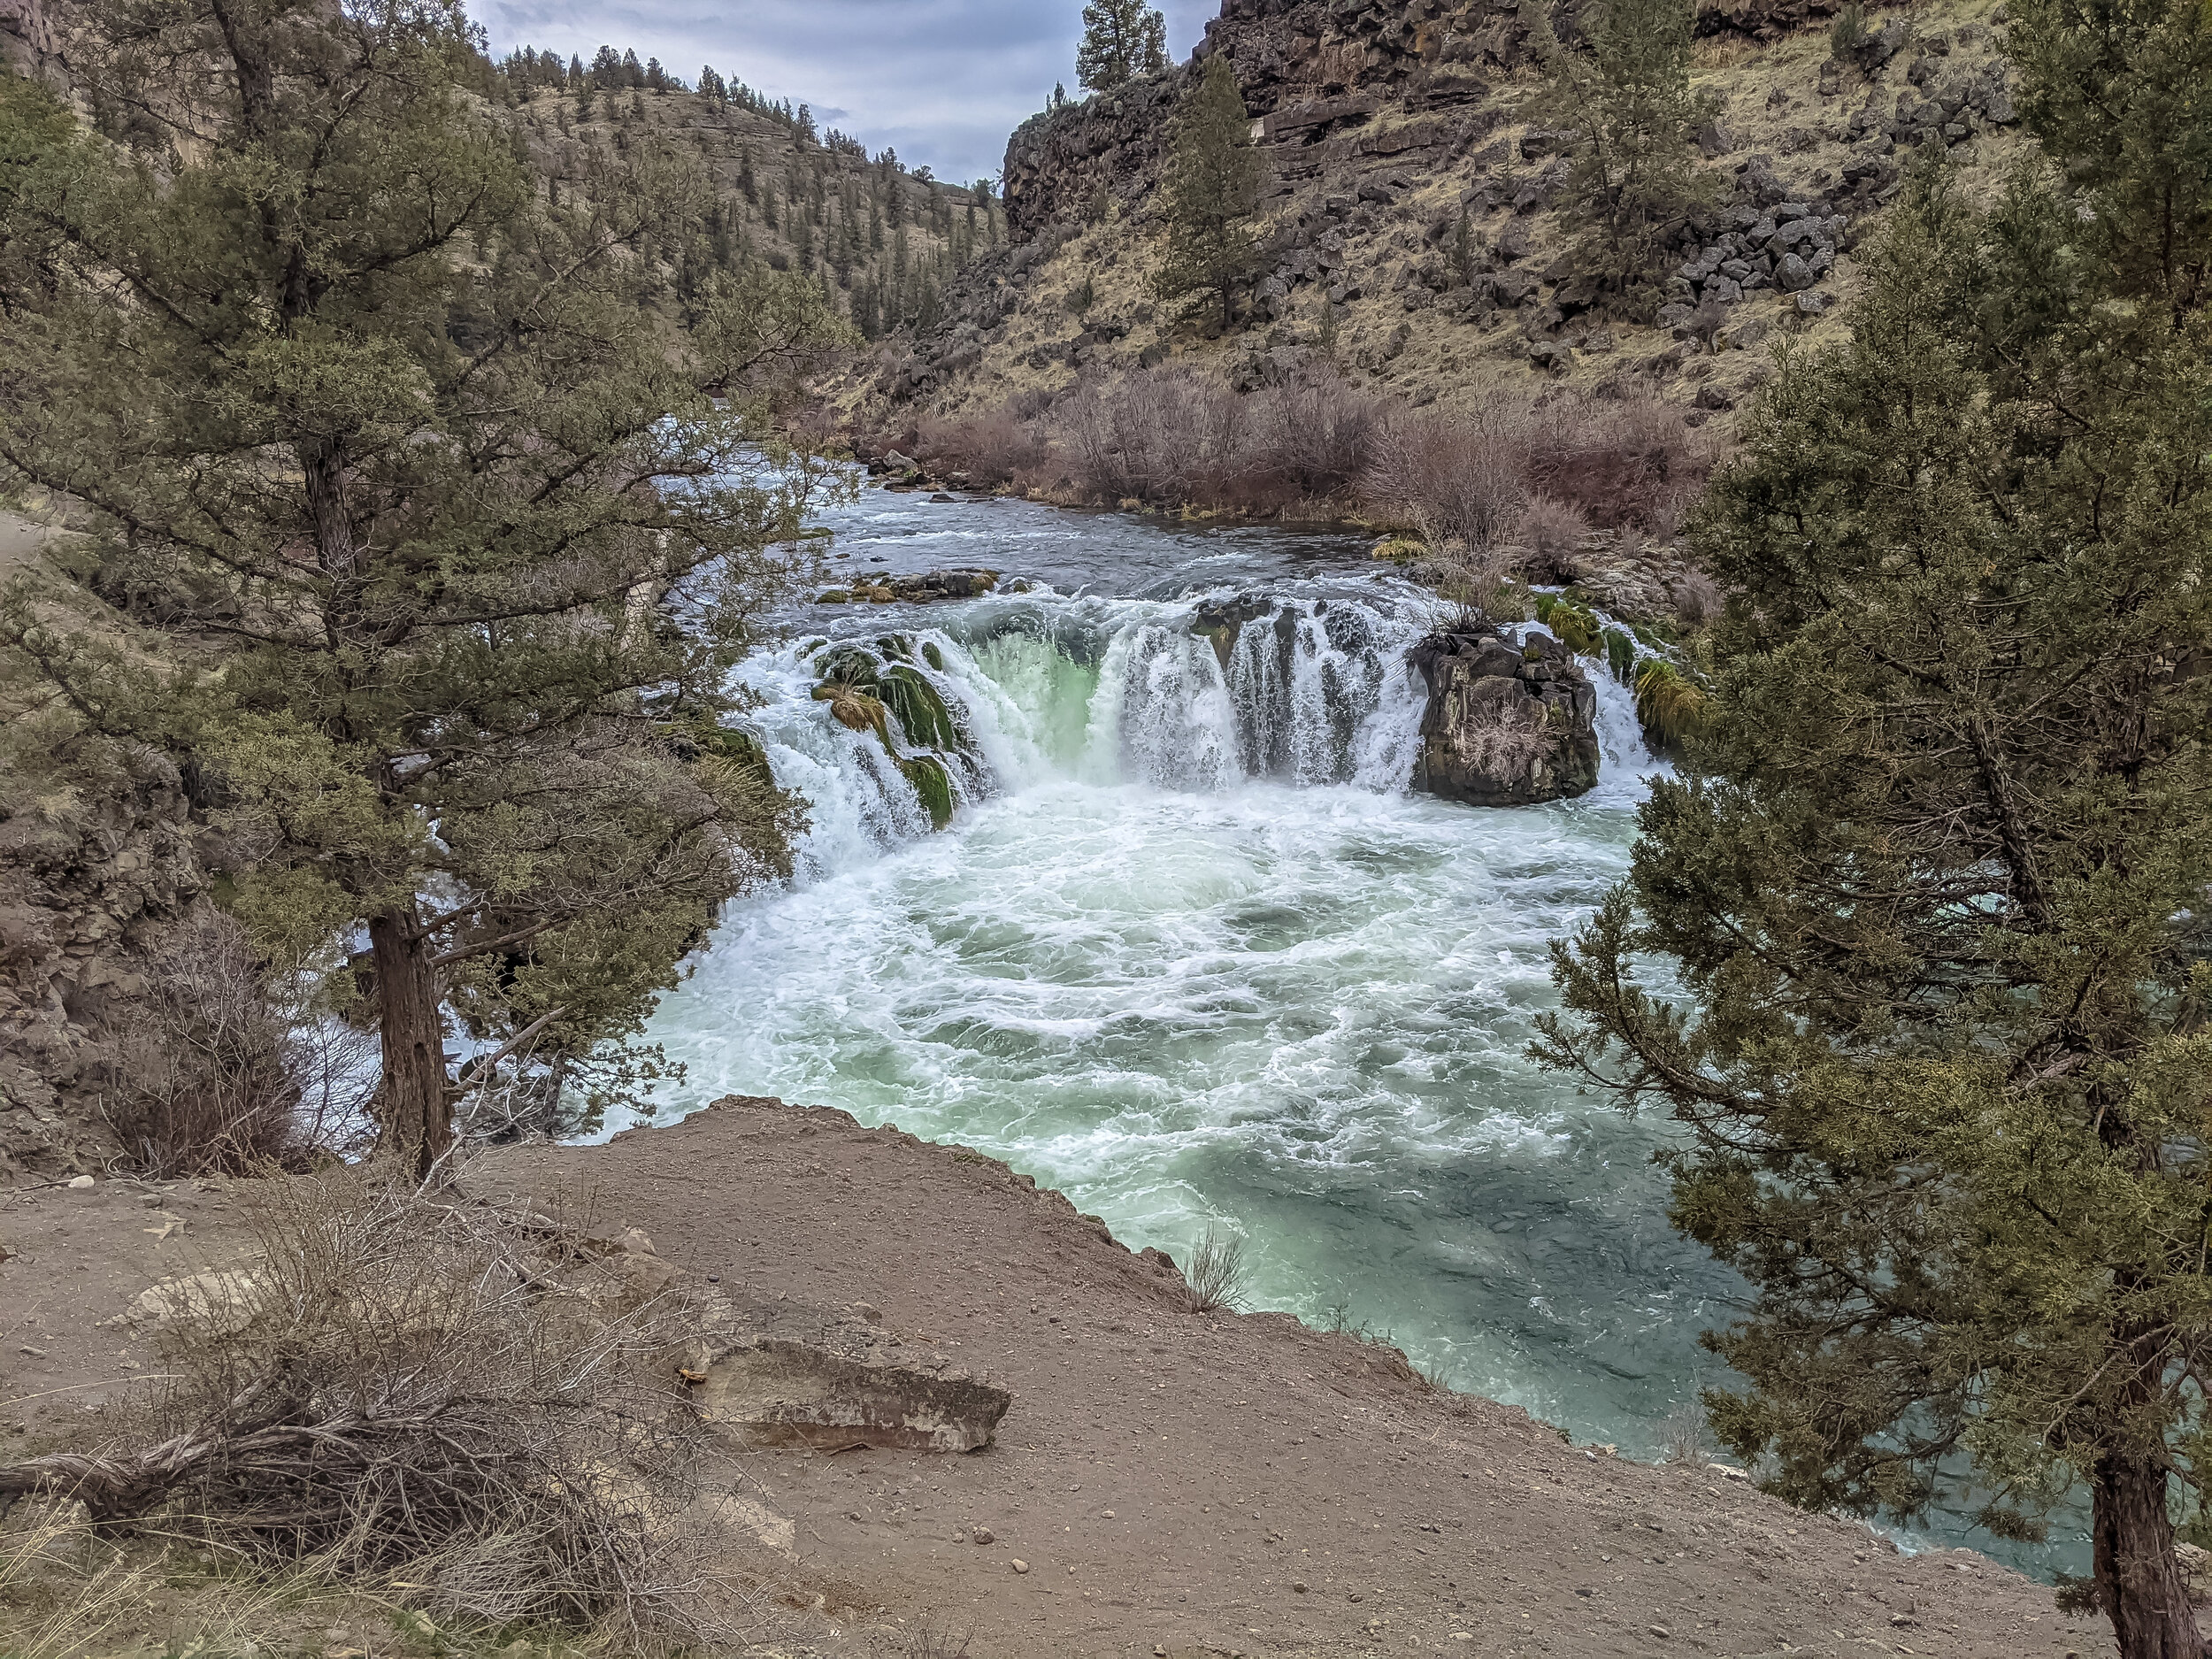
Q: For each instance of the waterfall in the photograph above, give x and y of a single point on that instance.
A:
(1304, 687)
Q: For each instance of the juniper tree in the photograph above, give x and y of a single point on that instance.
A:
(1122, 39)
(1624, 98)
(452, 540)
(1208, 194)
(1937, 901)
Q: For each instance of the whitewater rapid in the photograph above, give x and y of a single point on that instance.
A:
(1192, 952)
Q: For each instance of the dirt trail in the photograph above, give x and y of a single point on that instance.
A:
(1188, 1485)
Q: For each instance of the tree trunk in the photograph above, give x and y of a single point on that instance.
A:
(2138, 1581)
(411, 1102)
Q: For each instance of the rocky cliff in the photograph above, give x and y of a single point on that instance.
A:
(1416, 230)
(91, 893)
(30, 36)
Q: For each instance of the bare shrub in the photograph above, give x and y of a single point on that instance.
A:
(1463, 476)
(1552, 533)
(1215, 1278)
(1697, 599)
(1625, 461)
(1171, 438)
(1508, 738)
(408, 1393)
(1314, 438)
(1684, 1440)
(1482, 587)
(995, 447)
(208, 1079)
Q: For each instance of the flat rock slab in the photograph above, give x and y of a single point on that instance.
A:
(785, 1373)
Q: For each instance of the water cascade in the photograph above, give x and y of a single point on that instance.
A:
(1302, 687)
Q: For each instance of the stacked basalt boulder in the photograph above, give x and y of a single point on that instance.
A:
(1506, 725)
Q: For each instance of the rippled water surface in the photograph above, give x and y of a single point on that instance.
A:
(1191, 953)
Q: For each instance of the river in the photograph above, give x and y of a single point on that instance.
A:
(1190, 951)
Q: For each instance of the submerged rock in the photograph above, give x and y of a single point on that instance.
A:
(1505, 726)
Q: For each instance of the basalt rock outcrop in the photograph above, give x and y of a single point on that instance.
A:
(90, 903)
(1505, 725)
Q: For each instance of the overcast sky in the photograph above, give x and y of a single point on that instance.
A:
(941, 81)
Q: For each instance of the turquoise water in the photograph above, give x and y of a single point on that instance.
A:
(1191, 953)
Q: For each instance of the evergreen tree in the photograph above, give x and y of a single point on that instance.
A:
(1937, 903)
(457, 542)
(1211, 187)
(1122, 39)
(1627, 100)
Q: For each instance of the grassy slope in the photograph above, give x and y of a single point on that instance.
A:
(1769, 100)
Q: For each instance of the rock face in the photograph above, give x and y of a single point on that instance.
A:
(87, 907)
(779, 1374)
(1504, 725)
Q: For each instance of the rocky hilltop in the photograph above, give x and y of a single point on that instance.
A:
(1414, 225)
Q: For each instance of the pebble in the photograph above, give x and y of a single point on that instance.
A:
(984, 1535)
(1020, 1565)
(1106, 1513)
(1661, 1631)
(80, 1183)
(1299, 1586)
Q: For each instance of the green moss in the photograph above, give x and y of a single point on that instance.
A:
(921, 711)
(931, 655)
(1574, 627)
(1669, 704)
(849, 665)
(933, 784)
(1620, 654)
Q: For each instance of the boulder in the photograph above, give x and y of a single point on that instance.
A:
(1503, 726)
(783, 1374)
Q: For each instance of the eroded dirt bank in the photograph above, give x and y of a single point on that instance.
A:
(1192, 1484)
(1172, 1483)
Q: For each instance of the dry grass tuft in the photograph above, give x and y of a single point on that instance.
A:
(413, 1392)
(1217, 1276)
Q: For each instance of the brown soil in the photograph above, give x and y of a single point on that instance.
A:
(1194, 1484)
(1175, 1483)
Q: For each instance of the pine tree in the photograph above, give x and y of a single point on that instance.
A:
(452, 648)
(1210, 189)
(1122, 39)
(1936, 902)
(1627, 100)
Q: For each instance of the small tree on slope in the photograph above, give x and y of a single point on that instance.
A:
(452, 534)
(1211, 187)
(1122, 39)
(1624, 98)
(1938, 900)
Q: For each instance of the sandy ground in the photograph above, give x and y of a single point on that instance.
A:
(1172, 1483)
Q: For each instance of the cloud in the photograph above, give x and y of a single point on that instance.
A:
(941, 81)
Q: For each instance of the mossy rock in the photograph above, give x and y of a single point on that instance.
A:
(835, 596)
(933, 785)
(931, 655)
(848, 664)
(1620, 655)
(921, 711)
